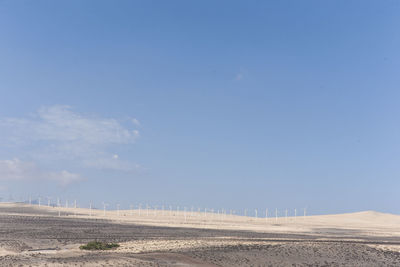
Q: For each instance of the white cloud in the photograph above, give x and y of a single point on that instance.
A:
(60, 123)
(17, 170)
(136, 122)
(59, 133)
(136, 133)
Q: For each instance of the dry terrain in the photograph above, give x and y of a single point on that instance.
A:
(51, 236)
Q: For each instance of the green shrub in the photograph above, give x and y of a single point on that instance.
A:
(96, 245)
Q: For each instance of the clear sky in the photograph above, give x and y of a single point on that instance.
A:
(218, 104)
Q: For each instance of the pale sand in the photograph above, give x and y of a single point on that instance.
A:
(38, 236)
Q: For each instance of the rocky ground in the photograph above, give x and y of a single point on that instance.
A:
(38, 237)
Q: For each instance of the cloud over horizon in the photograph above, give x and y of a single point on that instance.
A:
(58, 133)
(17, 170)
(60, 124)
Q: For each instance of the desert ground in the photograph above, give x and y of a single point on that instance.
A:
(51, 236)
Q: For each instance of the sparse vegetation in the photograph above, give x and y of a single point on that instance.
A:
(96, 245)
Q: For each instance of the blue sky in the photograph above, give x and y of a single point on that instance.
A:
(218, 104)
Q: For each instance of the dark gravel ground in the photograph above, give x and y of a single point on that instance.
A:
(21, 231)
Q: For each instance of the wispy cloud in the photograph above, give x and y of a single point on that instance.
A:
(113, 163)
(136, 122)
(60, 133)
(61, 124)
(240, 75)
(17, 170)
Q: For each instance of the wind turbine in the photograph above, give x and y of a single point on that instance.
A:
(104, 208)
(58, 206)
(75, 207)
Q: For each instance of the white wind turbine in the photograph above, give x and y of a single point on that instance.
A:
(286, 211)
(58, 206)
(104, 208)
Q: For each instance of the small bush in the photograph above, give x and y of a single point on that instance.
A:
(96, 245)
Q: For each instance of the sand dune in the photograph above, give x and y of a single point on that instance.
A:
(36, 236)
(365, 222)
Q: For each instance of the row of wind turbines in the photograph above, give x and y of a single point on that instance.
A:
(163, 210)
